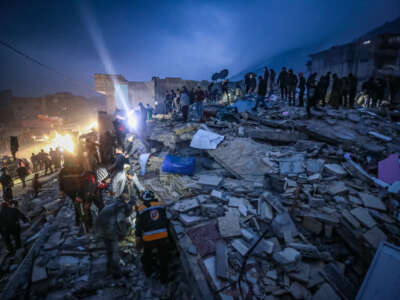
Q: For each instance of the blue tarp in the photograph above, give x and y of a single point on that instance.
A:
(244, 105)
(178, 165)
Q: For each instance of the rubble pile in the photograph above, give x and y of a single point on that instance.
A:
(284, 206)
(59, 262)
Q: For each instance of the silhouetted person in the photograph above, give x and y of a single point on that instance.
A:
(336, 94)
(271, 81)
(352, 89)
(253, 83)
(36, 185)
(282, 81)
(7, 183)
(22, 172)
(266, 77)
(302, 87)
(291, 86)
(262, 90)
(345, 92)
(9, 226)
(311, 95)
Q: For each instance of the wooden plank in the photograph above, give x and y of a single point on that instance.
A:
(221, 266)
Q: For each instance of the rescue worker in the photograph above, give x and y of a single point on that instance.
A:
(111, 226)
(311, 95)
(302, 87)
(9, 226)
(22, 172)
(336, 94)
(36, 185)
(7, 183)
(184, 103)
(282, 81)
(152, 234)
(44, 158)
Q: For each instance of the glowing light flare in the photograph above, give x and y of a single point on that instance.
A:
(94, 125)
(64, 142)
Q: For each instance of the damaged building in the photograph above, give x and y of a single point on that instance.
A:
(153, 92)
(373, 54)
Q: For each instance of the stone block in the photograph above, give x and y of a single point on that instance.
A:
(264, 247)
(211, 180)
(314, 165)
(374, 236)
(229, 224)
(38, 273)
(247, 235)
(335, 169)
(221, 260)
(363, 216)
(186, 205)
(326, 292)
(349, 218)
(312, 225)
(189, 220)
(371, 201)
(240, 247)
(288, 259)
(282, 223)
(219, 195)
(306, 250)
(336, 188)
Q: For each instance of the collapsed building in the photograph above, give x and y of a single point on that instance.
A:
(373, 54)
(275, 206)
(119, 91)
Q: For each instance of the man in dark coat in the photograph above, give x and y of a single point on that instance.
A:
(352, 89)
(271, 81)
(9, 226)
(262, 90)
(22, 172)
(7, 183)
(302, 87)
(253, 83)
(336, 94)
(282, 81)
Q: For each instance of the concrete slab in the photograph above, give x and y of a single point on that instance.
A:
(372, 201)
(363, 216)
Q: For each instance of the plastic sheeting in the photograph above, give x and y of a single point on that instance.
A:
(389, 169)
(204, 139)
(244, 105)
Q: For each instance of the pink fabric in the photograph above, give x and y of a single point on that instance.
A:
(389, 169)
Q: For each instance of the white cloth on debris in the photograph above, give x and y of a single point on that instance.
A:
(204, 139)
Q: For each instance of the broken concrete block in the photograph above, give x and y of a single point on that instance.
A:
(265, 210)
(277, 245)
(314, 165)
(335, 169)
(186, 205)
(273, 274)
(306, 250)
(316, 202)
(328, 231)
(349, 218)
(264, 247)
(39, 273)
(314, 178)
(229, 224)
(221, 260)
(283, 222)
(298, 291)
(326, 292)
(189, 220)
(234, 201)
(371, 201)
(303, 274)
(288, 258)
(363, 216)
(312, 225)
(274, 202)
(210, 180)
(337, 187)
(247, 235)
(219, 195)
(240, 247)
(340, 200)
(374, 236)
(354, 200)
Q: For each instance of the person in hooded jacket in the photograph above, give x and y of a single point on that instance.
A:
(111, 226)
(291, 87)
(262, 90)
(9, 226)
(282, 81)
(272, 75)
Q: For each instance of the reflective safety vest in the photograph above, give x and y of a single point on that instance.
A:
(152, 222)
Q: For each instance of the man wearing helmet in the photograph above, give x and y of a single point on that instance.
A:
(152, 234)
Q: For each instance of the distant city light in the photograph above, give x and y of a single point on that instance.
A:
(367, 42)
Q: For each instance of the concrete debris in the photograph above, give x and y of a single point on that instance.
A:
(229, 224)
(288, 259)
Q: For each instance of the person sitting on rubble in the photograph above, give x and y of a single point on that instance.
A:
(112, 226)
(152, 234)
(7, 184)
(36, 185)
(9, 225)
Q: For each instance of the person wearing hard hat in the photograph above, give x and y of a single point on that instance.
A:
(152, 234)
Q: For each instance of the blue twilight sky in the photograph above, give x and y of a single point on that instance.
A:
(188, 39)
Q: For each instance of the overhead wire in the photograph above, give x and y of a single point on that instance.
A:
(12, 48)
